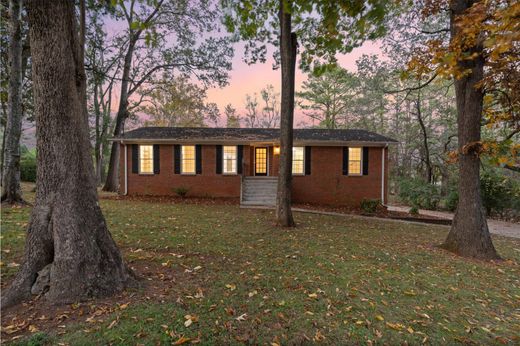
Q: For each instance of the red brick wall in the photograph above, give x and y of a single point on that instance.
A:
(325, 185)
(209, 184)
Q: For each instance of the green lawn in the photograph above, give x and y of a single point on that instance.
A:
(331, 280)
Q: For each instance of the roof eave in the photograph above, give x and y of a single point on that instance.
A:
(248, 142)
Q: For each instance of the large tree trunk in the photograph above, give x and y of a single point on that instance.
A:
(469, 235)
(11, 190)
(288, 61)
(69, 252)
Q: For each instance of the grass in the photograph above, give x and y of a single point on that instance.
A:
(332, 280)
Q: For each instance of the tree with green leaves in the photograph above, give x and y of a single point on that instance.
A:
(318, 30)
(327, 97)
(175, 101)
(164, 36)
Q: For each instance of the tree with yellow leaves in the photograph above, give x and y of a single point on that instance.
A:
(482, 56)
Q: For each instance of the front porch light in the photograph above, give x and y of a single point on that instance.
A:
(276, 150)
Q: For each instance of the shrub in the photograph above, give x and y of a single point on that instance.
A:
(498, 192)
(414, 211)
(418, 193)
(370, 205)
(181, 191)
(451, 200)
(28, 165)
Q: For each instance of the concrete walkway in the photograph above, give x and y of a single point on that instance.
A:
(508, 229)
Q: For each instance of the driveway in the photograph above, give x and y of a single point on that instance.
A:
(508, 229)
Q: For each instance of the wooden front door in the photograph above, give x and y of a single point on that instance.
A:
(261, 161)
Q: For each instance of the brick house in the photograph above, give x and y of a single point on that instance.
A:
(333, 167)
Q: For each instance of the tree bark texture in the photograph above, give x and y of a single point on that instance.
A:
(288, 44)
(11, 190)
(469, 235)
(67, 233)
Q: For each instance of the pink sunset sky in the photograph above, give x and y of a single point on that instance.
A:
(249, 79)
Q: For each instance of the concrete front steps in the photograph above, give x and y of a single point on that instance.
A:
(259, 191)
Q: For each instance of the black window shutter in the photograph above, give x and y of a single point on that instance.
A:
(307, 160)
(240, 155)
(198, 159)
(156, 159)
(135, 158)
(345, 160)
(177, 159)
(219, 159)
(365, 160)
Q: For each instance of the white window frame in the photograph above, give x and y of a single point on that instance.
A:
(303, 161)
(224, 160)
(194, 160)
(360, 162)
(140, 159)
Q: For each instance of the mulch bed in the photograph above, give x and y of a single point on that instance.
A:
(173, 199)
(380, 212)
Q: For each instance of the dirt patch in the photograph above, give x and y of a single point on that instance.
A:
(157, 282)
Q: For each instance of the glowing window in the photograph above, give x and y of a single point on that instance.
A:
(188, 159)
(354, 161)
(298, 165)
(230, 159)
(146, 159)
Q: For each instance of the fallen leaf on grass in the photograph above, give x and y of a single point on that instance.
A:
(241, 317)
(182, 340)
(190, 319)
(113, 323)
(395, 326)
(232, 287)
(380, 318)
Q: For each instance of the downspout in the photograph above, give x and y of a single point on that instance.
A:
(126, 173)
(383, 175)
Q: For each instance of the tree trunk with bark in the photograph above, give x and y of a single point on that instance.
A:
(69, 252)
(469, 235)
(112, 181)
(11, 189)
(426, 148)
(288, 44)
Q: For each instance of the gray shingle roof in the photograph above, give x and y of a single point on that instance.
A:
(219, 134)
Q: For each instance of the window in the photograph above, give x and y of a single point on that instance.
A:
(146, 159)
(230, 159)
(188, 159)
(354, 161)
(298, 166)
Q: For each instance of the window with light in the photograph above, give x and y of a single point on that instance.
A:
(230, 159)
(146, 159)
(354, 161)
(188, 159)
(298, 166)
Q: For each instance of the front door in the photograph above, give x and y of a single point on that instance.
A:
(261, 161)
